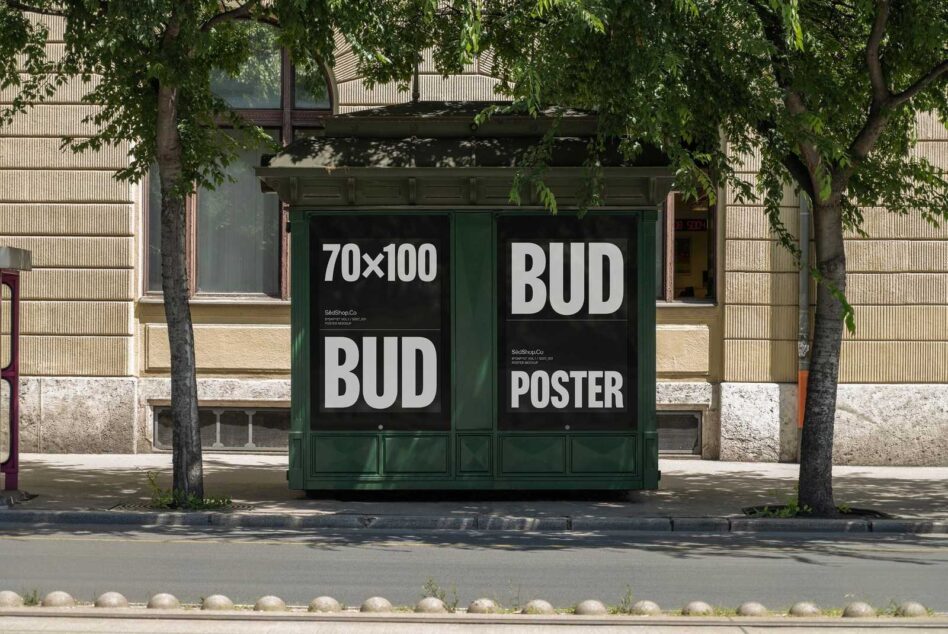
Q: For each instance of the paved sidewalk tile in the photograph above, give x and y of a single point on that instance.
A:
(698, 495)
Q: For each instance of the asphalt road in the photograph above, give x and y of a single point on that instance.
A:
(510, 567)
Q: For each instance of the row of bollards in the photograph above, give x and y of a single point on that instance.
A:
(434, 605)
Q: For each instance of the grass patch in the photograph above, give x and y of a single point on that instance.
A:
(625, 603)
(164, 499)
(32, 598)
(433, 589)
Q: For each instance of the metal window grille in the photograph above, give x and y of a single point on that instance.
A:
(231, 429)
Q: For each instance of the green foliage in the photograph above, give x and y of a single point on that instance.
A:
(785, 83)
(173, 499)
(129, 49)
(433, 589)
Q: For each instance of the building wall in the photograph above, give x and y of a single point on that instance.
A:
(898, 286)
(95, 353)
(78, 302)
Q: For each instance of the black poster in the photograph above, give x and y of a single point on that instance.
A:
(567, 318)
(380, 294)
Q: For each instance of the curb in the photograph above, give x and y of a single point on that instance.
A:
(271, 620)
(710, 525)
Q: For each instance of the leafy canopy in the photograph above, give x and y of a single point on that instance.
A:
(790, 83)
(126, 49)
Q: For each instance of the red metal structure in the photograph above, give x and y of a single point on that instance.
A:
(12, 262)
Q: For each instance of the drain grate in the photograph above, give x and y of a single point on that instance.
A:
(145, 507)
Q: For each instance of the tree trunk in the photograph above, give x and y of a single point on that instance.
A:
(188, 474)
(816, 448)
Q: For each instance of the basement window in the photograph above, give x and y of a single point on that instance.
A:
(679, 432)
(232, 429)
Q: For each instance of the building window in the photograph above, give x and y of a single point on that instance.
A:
(685, 247)
(231, 429)
(679, 432)
(235, 245)
(238, 233)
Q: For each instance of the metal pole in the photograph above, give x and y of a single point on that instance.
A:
(11, 375)
(803, 333)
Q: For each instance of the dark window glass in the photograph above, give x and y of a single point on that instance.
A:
(207, 420)
(238, 229)
(270, 428)
(692, 245)
(258, 84)
(679, 432)
(310, 91)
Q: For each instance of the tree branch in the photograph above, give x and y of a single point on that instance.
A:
(800, 173)
(865, 140)
(240, 12)
(880, 91)
(920, 85)
(805, 171)
(799, 170)
(27, 8)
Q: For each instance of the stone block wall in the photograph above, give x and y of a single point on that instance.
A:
(894, 369)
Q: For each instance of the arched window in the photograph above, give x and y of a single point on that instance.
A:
(236, 244)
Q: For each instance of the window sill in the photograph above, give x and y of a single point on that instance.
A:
(698, 303)
(222, 300)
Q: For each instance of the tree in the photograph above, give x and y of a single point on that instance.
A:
(825, 92)
(154, 60)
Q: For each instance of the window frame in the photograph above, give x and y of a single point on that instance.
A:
(288, 119)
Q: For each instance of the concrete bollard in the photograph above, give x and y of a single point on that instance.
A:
(911, 609)
(58, 599)
(482, 606)
(431, 605)
(111, 600)
(324, 604)
(538, 606)
(376, 604)
(590, 607)
(697, 608)
(10, 599)
(751, 608)
(217, 602)
(804, 608)
(645, 608)
(163, 601)
(269, 603)
(858, 610)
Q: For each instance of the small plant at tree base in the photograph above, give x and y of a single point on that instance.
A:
(792, 508)
(433, 589)
(625, 604)
(168, 499)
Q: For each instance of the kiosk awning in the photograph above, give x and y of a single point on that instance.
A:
(434, 154)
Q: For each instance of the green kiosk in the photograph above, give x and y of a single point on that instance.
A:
(444, 338)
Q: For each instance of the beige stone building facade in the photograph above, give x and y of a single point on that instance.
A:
(95, 355)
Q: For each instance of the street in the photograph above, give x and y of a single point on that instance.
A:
(511, 567)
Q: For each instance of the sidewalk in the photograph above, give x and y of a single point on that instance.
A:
(689, 489)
